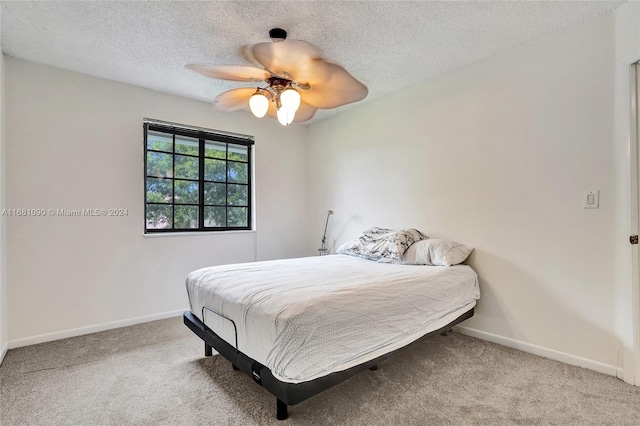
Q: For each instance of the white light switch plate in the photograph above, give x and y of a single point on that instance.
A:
(591, 199)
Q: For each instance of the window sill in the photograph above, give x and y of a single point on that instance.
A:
(194, 234)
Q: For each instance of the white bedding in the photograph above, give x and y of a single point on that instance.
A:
(308, 317)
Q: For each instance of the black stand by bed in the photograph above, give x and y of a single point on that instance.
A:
(291, 393)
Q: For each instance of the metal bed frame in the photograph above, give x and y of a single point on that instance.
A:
(288, 393)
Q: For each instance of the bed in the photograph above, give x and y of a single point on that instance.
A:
(300, 326)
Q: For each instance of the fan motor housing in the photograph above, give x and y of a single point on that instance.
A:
(278, 83)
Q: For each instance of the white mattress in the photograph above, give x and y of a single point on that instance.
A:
(308, 317)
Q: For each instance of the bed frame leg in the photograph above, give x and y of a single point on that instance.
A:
(208, 351)
(234, 367)
(374, 368)
(282, 413)
(446, 332)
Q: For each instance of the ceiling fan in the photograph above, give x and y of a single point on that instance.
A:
(298, 81)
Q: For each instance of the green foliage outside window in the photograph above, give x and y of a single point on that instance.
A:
(180, 185)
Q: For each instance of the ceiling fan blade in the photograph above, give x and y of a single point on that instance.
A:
(305, 112)
(248, 55)
(230, 72)
(233, 100)
(292, 59)
(341, 88)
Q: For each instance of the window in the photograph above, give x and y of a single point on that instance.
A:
(196, 179)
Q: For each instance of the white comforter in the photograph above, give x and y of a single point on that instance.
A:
(308, 317)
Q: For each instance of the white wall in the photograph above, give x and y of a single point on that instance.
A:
(496, 155)
(75, 141)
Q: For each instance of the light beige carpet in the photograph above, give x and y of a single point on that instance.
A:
(156, 374)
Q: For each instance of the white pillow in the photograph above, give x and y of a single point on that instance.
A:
(436, 252)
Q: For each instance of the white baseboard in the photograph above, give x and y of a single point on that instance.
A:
(620, 373)
(540, 351)
(42, 338)
(3, 352)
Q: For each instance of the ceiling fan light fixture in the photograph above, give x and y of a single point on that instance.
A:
(290, 99)
(258, 104)
(285, 116)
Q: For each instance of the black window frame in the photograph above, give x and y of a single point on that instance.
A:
(203, 136)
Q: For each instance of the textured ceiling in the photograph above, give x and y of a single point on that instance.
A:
(386, 45)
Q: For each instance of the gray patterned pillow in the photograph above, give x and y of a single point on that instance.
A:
(382, 244)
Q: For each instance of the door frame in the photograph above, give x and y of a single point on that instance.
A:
(634, 118)
(628, 301)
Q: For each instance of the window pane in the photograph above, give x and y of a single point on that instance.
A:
(215, 170)
(185, 217)
(159, 217)
(160, 165)
(185, 145)
(186, 167)
(159, 141)
(202, 174)
(215, 193)
(237, 195)
(159, 190)
(237, 216)
(186, 192)
(215, 217)
(215, 149)
(238, 172)
(238, 153)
